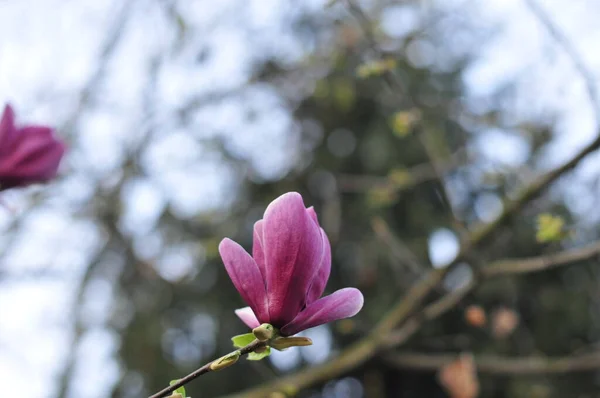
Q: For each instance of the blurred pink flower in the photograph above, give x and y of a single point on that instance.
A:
(287, 272)
(28, 154)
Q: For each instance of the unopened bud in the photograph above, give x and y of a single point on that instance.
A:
(225, 361)
(264, 332)
(281, 343)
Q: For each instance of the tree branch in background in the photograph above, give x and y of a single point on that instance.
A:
(495, 269)
(541, 263)
(396, 246)
(412, 176)
(111, 42)
(499, 365)
(427, 138)
(431, 142)
(569, 48)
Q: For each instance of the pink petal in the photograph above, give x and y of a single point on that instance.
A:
(34, 157)
(247, 316)
(313, 214)
(7, 128)
(245, 275)
(257, 248)
(320, 280)
(292, 245)
(343, 303)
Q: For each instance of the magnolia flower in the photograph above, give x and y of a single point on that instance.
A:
(287, 272)
(28, 154)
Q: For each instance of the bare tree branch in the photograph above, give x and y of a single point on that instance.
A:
(499, 268)
(415, 175)
(541, 263)
(532, 365)
(569, 48)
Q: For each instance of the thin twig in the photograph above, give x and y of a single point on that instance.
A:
(415, 175)
(541, 263)
(402, 97)
(207, 368)
(531, 365)
(397, 247)
(569, 48)
(495, 269)
(110, 44)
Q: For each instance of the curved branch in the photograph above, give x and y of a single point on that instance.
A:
(541, 263)
(500, 365)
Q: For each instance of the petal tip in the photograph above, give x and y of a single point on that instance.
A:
(225, 244)
(248, 317)
(358, 298)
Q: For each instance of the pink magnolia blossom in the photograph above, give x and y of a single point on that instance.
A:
(28, 154)
(283, 280)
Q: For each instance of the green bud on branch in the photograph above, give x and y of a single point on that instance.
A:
(282, 343)
(225, 361)
(264, 332)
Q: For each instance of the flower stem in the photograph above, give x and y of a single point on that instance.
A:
(253, 346)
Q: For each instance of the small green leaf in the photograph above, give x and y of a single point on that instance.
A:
(382, 196)
(400, 177)
(180, 390)
(403, 122)
(550, 228)
(257, 356)
(375, 68)
(242, 340)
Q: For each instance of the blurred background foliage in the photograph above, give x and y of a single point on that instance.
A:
(192, 116)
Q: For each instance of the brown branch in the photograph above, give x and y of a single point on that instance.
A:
(415, 175)
(495, 269)
(431, 141)
(541, 263)
(499, 365)
(206, 369)
(398, 249)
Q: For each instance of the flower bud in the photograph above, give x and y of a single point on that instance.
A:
(264, 332)
(282, 343)
(225, 361)
(28, 154)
